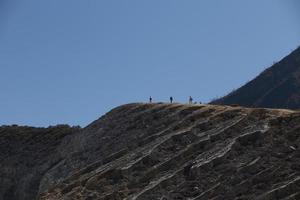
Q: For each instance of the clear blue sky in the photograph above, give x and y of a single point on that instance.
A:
(70, 61)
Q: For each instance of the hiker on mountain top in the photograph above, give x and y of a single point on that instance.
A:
(190, 100)
(171, 99)
(150, 99)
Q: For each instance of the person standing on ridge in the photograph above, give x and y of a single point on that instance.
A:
(171, 99)
(190, 100)
(150, 99)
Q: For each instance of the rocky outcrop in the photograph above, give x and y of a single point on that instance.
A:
(175, 151)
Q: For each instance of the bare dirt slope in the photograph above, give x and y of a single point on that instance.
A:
(175, 151)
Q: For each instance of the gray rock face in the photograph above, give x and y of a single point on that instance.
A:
(173, 151)
(164, 151)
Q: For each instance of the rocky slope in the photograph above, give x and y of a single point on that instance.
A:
(158, 151)
(276, 87)
(26, 154)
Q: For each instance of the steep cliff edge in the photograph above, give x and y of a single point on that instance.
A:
(176, 151)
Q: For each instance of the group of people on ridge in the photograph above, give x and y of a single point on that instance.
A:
(171, 99)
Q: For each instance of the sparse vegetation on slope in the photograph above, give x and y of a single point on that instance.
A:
(277, 87)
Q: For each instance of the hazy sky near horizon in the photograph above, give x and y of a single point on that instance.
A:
(71, 61)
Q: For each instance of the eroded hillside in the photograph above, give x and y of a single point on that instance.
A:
(26, 154)
(174, 151)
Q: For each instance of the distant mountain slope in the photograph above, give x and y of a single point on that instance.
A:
(276, 87)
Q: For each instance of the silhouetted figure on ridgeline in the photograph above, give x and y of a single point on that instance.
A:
(150, 99)
(171, 99)
(190, 100)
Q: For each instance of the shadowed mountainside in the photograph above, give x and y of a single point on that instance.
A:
(276, 87)
(170, 151)
(26, 154)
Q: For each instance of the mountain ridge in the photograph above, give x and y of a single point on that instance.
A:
(276, 87)
(166, 151)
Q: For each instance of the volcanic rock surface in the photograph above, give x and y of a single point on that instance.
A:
(26, 154)
(169, 151)
(276, 87)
